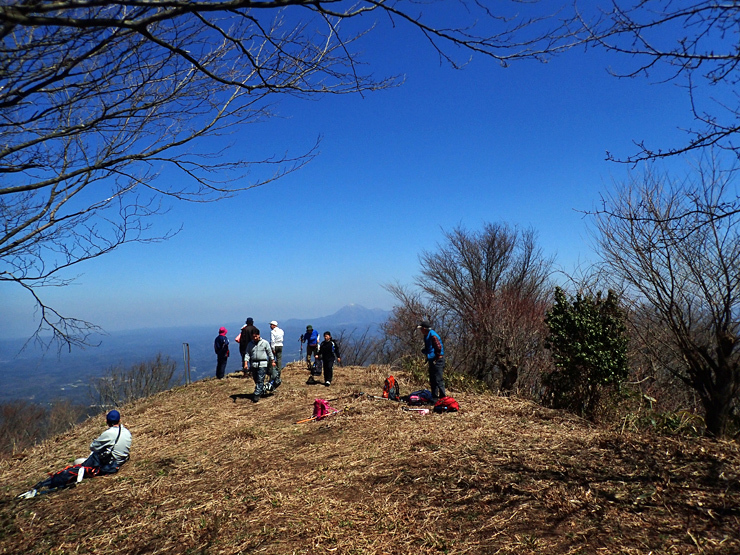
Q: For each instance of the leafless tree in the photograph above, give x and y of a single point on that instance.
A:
(120, 385)
(658, 237)
(358, 348)
(400, 341)
(22, 423)
(105, 106)
(487, 294)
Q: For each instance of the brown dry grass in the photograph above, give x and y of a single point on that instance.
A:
(210, 474)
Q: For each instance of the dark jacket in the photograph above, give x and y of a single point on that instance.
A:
(221, 346)
(246, 337)
(329, 349)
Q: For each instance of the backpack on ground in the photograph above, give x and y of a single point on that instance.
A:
(446, 404)
(321, 409)
(420, 397)
(391, 389)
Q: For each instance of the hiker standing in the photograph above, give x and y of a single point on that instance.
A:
(258, 355)
(311, 339)
(244, 337)
(109, 451)
(221, 346)
(327, 351)
(276, 342)
(434, 351)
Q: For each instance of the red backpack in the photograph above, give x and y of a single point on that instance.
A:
(446, 404)
(391, 390)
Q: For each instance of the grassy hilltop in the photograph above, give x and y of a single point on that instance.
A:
(214, 474)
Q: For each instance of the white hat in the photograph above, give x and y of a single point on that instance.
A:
(273, 323)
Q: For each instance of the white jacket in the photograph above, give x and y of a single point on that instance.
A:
(276, 337)
(107, 440)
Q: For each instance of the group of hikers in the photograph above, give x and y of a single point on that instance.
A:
(259, 356)
(110, 450)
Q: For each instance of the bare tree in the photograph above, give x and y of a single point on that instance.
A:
(401, 342)
(120, 386)
(486, 294)
(659, 238)
(23, 424)
(104, 103)
(358, 348)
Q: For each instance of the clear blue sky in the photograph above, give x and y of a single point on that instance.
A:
(523, 145)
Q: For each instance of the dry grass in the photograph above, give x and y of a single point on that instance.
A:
(214, 474)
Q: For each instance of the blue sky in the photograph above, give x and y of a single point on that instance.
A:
(524, 145)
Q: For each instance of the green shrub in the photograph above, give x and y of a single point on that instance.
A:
(588, 343)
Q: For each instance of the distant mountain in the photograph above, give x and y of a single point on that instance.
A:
(346, 318)
(43, 376)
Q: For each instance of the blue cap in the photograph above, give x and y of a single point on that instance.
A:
(113, 417)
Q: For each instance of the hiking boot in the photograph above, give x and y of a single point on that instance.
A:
(276, 385)
(310, 381)
(327, 384)
(255, 398)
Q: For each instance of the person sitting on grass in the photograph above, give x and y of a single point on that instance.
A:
(108, 452)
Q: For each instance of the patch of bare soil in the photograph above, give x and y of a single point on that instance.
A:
(211, 472)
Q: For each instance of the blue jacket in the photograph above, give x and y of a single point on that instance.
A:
(311, 338)
(433, 347)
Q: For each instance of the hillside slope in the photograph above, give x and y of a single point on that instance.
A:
(211, 472)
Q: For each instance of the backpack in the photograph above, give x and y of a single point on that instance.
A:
(317, 367)
(391, 390)
(421, 397)
(322, 409)
(446, 404)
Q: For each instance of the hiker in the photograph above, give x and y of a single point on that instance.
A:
(258, 355)
(244, 337)
(109, 451)
(435, 352)
(221, 346)
(311, 339)
(276, 342)
(327, 351)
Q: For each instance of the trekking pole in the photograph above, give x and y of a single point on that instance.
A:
(318, 417)
(375, 396)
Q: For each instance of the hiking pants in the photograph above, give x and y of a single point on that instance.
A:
(258, 375)
(328, 368)
(221, 367)
(278, 357)
(436, 380)
(275, 375)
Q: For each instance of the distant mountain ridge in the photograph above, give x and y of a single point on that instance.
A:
(350, 315)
